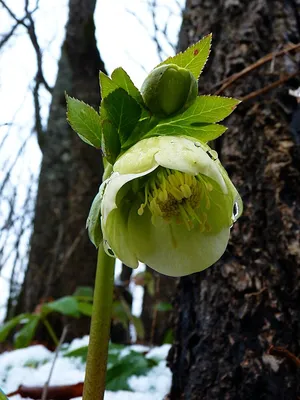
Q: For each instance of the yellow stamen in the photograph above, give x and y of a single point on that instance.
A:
(177, 196)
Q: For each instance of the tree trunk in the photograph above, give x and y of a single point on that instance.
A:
(61, 255)
(230, 315)
(155, 316)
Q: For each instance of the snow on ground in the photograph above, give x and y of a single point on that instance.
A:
(31, 366)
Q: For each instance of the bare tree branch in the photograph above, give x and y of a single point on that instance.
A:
(28, 22)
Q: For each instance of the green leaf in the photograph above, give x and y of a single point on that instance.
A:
(107, 85)
(85, 121)
(198, 131)
(119, 314)
(122, 79)
(211, 108)
(139, 327)
(163, 306)
(111, 145)
(81, 352)
(169, 337)
(67, 305)
(193, 58)
(149, 283)
(24, 337)
(141, 128)
(85, 308)
(198, 120)
(123, 112)
(119, 372)
(11, 324)
(84, 291)
(2, 396)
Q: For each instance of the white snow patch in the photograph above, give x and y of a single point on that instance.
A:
(31, 367)
(159, 353)
(158, 380)
(77, 343)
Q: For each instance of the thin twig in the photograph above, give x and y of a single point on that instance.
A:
(282, 352)
(61, 340)
(269, 87)
(269, 57)
(8, 35)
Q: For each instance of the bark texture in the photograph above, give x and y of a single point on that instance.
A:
(61, 255)
(157, 324)
(230, 315)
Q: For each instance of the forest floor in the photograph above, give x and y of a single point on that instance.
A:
(134, 372)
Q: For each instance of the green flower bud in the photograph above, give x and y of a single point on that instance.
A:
(170, 204)
(168, 89)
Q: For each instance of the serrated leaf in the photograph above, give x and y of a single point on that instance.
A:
(85, 308)
(123, 112)
(85, 121)
(24, 337)
(107, 85)
(93, 222)
(11, 324)
(67, 305)
(199, 131)
(193, 58)
(198, 120)
(122, 79)
(211, 108)
(111, 145)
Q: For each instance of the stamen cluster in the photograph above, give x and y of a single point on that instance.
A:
(173, 194)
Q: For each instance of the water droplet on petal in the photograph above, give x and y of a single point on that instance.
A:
(197, 144)
(108, 249)
(237, 209)
(212, 154)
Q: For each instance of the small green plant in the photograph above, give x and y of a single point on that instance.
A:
(122, 363)
(75, 306)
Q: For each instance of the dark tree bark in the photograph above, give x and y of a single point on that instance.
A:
(61, 255)
(230, 315)
(157, 324)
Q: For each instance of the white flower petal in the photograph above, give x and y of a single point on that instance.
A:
(187, 156)
(111, 187)
(172, 250)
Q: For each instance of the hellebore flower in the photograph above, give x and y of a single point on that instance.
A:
(170, 204)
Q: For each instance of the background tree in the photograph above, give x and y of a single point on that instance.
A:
(229, 315)
(59, 247)
(61, 256)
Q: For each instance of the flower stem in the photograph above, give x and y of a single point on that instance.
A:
(94, 384)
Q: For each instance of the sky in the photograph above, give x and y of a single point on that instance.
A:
(122, 25)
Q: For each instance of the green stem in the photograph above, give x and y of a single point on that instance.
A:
(51, 331)
(94, 384)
